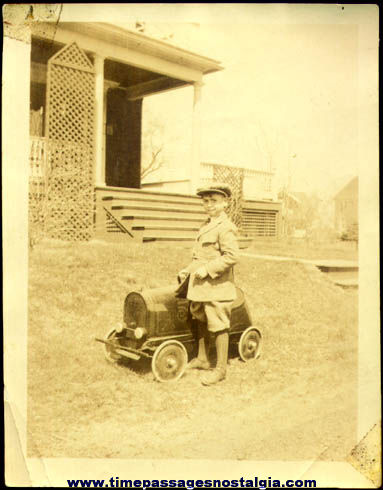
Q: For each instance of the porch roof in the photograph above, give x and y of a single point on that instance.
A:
(133, 48)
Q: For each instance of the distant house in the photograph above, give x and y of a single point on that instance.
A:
(346, 207)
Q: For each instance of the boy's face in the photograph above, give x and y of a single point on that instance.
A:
(214, 204)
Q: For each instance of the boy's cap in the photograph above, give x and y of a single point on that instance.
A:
(217, 187)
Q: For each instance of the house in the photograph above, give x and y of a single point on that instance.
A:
(81, 87)
(346, 207)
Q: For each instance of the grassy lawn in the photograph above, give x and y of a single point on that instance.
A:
(298, 401)
(306, 249)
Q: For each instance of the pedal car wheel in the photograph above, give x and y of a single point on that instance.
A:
(110, 352)
(249, 346)
(169, 361)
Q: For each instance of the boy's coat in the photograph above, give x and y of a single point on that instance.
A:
(216, 248)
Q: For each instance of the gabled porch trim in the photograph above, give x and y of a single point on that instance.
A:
(128, 47)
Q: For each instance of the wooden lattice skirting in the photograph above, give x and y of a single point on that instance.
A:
(233, 177)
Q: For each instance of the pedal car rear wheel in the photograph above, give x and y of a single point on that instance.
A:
(249, 346)
(110, 352)
(169, 361)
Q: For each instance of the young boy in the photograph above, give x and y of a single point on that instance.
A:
(211, 289)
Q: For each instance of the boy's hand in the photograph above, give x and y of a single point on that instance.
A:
(201, 273)
(181, 276)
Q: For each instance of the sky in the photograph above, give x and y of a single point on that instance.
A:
(292, 90)
(298, 81)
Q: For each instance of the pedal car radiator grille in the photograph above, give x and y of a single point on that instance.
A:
(135, 310)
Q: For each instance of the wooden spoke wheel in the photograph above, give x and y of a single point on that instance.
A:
(249, 346)
(110, 350)
(169, 361)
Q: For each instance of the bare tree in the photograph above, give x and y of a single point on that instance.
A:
(153, 146)
(268, 145)
(154, 164)
(287, 189)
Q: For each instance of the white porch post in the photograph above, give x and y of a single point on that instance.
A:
(196, 142)
(99, 174)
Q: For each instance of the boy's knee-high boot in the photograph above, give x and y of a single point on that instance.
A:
(222, 345)
(202, 359)
(219, 373)
(203, 343)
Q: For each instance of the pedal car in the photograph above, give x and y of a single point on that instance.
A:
(157, 325)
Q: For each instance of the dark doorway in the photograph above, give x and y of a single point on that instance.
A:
(123, 140)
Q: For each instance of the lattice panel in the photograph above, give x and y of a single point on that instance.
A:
(259, 222)
(70, 132)
(73, 56)
(234, 177)
(71, 101)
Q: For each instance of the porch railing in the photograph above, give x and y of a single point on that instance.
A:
(257, 184)
(37, 158)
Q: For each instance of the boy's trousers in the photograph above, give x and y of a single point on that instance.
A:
(215, 313)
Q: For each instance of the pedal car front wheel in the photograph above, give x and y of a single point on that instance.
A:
(249, 346)
(110, 350)
(169, 361)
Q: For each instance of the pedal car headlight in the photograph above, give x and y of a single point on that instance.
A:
(119, 327)
(139, 332)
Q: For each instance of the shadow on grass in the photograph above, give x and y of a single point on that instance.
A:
(141, 367)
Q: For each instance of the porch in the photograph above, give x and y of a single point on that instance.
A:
(87, 90)
(147, 215)
(113, 70)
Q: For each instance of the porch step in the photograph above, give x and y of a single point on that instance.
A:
(343, 273)
(147, 216)
(162, 232)
(347, 283)
(337, 265)
(117, 193)
(243, 242)
(162, 220)
(139, 201)
(160, 211)
(150, 238)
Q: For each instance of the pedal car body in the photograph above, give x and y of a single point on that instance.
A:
(157, 325)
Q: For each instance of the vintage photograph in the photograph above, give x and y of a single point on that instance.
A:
(197, 189)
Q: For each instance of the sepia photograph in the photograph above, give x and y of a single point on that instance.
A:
(191, 245)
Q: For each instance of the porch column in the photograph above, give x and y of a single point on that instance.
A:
(196, 141)
(99, 173)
